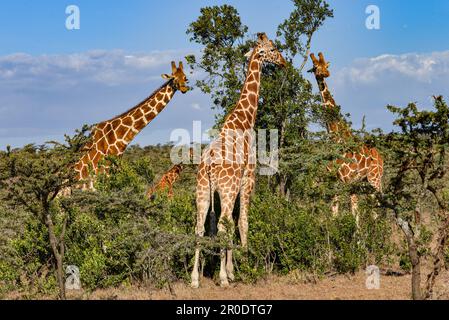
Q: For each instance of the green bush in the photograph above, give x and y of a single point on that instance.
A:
(346, 246)
(286, 237)
(116, 236)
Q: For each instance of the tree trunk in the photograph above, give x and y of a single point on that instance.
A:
(60, 277)
(437, 258)
(416, 270)
(414, 257)
(58, 254)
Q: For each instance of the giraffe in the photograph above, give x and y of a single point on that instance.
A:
(364, 163)
(168, 180)
(227, 165)
(112, 137)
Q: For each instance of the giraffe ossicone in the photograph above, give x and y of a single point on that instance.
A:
(113, 136)
(231, 176)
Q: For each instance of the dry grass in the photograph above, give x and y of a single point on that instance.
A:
(339, 287)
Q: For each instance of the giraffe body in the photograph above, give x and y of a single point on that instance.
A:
(112, 137)
(228, 164)
(168, 179)
(364, 163)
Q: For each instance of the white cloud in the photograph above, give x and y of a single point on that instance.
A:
(98, 66)
(196, 106)
(417, 67)
(44, 97)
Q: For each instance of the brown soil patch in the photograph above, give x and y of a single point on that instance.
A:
(340, 287)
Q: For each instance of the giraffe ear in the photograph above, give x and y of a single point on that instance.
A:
(166, 77)
(248, 54)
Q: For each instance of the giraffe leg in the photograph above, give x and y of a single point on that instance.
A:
(202, 203)
(355, 208)
(230, 265)
(227, 204)
(335, 206)
(245, 195)
(224, 282)
(92, 184)
(373, 197)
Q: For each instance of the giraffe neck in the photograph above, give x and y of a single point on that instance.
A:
(244, 114)
(326, 95)
(113, 136)
(136, 119)
(335, 127)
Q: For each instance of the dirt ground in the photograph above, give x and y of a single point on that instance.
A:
(338, 287)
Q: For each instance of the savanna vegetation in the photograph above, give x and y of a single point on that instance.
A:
(116, 236)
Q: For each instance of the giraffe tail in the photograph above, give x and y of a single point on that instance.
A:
(212, 216)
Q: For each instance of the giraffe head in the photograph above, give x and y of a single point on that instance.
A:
(320, 66)
(266, 51)
(178, 77)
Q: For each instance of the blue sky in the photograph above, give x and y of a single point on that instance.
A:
(53, 80)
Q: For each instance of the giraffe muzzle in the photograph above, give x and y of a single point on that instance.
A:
(184, 89)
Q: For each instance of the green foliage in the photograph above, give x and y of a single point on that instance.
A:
(285, 237)
(343, 236)
(419, 157)
(10, 227)
(220, 30)
(116, 236)
(298, 30)
(121, 174)
(417, 195)
(217, 26)
(31, 179)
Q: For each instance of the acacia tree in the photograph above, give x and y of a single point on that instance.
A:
(33, 178)
(418, 157)
(298, 30)
(285, 95)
